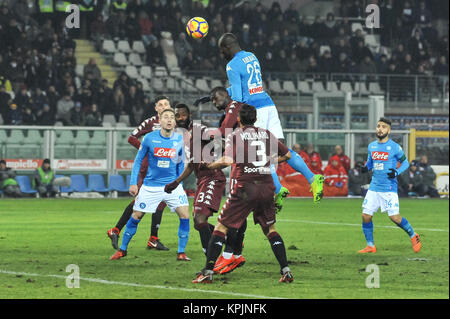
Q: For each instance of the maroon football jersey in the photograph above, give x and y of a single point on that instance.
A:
(149, 125)
(253, 150)
(201, 149)
(231, 115)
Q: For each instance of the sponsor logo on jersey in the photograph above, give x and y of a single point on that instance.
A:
(260, 170)
(256, 90)
(380, 156)
(163, 164)
(164, 152)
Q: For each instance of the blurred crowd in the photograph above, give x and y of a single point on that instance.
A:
(341, 179)
(39, 84)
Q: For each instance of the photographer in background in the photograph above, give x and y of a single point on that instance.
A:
(429, 176)
(358, 182)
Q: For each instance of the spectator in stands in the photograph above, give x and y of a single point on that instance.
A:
(104, 98)
(316, 164)
(416, 44)
(411, 183)
(14, 115)
(441, 67)
(367, 66)
(155, 55)
(422, 15)
(44, 177)
(343, 159)
(334, 174)
(8, 184)
(76, 115)
(189, 63)
(63, 108)
(123, 82)
(45, 116)
(360, 52)
(99, 30)
(133, 28)
(429, 177)
(4, 98)
(311, 152)
(146, 28)
(182, 46)
(93, 117)
(382, 64)
(28, 117)
(387, 21)
(92, 68)
(298, 149)
(53, 98)
(293, 63)
(407, 16)
(118, 102)
(326, 62)
(358, 182)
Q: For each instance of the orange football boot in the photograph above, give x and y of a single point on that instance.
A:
(416, 243)
(368, 249)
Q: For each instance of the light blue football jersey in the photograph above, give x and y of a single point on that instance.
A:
(381, 158)
(246, 84)
(165, 159)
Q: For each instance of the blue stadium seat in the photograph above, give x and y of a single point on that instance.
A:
(96, 183)
(25, 185)
(116, 183)
(79, 184)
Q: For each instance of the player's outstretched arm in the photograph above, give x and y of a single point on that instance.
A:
(221, 163)
(284, 158)
(186, 172)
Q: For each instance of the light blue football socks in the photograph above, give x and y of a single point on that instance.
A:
(129, 232)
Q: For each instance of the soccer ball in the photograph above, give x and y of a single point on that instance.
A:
(197, 28)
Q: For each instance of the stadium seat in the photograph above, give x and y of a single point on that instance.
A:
(135, 59)
(374, 88)
(317, 87)
(120, 59)
(332, 86)
(360, 88)
(146, 72)
(125, 118)
(303, 87)
(79, 183)
(25, 185)
(124, 46)
(346, 87)
(175, 72)
(216, 83)
(108, 46)
(99, 138)
(188, 85)
(289, 87)
(116, 183)
(109, 118)
(202, 85)
(82, 138)
(97, 184)
(275, 87)
(157, 84)
(172, 84)
(160, 71)
(145, 85)
(131, 71)
(138, 47)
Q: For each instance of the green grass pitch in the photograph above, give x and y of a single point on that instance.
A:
(39, 238)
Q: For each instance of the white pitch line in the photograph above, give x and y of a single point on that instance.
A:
(121, 283)
(355, 225)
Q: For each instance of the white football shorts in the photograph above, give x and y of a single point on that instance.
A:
(267, 118)
(387, 201)
(149, 198)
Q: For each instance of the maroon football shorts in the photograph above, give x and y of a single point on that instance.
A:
(208, 196)
(246, 197)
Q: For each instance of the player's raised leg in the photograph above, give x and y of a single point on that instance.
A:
(404, 224)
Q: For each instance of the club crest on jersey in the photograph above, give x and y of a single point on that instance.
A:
(164, 152)
(380, 156)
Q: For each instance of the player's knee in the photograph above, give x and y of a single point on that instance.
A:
(366, 218)
(221, 228)
(200, 219)
(396, 218)
(137, 215)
